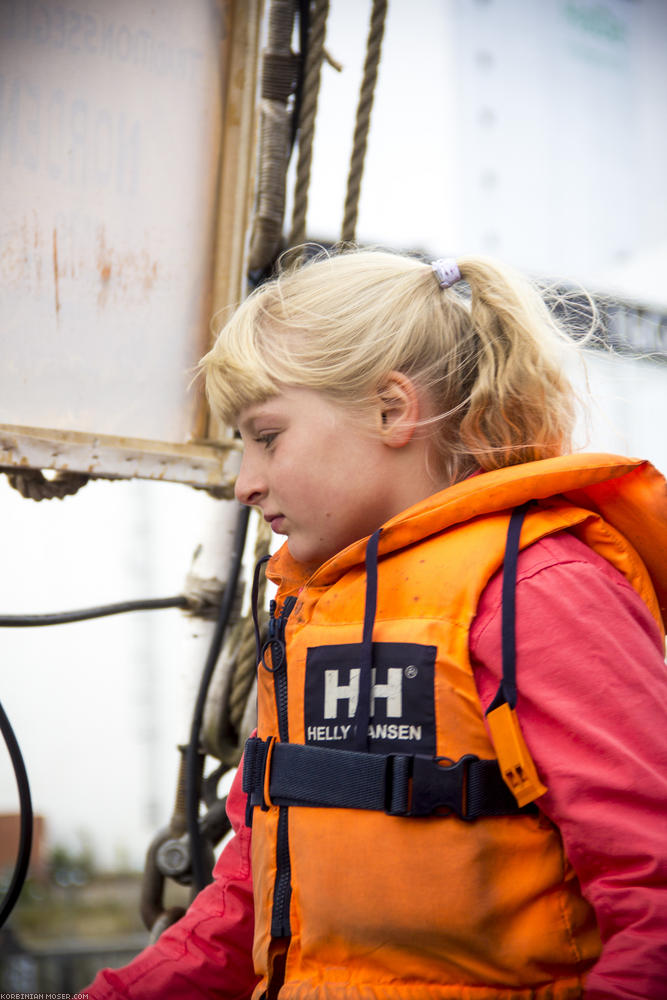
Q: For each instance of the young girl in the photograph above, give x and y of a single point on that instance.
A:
(437, 803)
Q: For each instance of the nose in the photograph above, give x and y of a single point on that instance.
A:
(249, 488)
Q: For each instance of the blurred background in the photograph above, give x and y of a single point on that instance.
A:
(532, 132)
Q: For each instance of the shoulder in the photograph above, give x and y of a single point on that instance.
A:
(561, 576)
(577, 618)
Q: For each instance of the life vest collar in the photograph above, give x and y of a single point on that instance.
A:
(629, 493)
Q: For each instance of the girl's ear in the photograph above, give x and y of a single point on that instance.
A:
(398, 409)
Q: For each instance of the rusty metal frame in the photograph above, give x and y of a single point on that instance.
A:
(197, 464)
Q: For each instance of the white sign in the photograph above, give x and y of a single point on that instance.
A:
(110, 131)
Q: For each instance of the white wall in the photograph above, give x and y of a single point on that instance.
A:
(98, 707)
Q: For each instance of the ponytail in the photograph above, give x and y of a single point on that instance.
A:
(521, 402)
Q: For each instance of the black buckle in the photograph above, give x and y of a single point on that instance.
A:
(431, 787)
(254, 765)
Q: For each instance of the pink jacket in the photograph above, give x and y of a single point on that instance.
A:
(592, 693)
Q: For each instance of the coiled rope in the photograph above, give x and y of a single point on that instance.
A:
(34, 485)
(279, 77)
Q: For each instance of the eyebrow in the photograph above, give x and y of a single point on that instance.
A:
(249, 425)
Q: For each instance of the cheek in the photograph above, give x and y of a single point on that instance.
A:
(311, 490)
(294, 483)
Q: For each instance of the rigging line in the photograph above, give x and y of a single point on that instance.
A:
(310, 93)
(362, 125)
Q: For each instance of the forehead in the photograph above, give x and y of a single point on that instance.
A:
(249, 415)
(293, 404)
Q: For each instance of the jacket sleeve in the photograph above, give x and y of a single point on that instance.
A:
(592, 700)
(208, 953)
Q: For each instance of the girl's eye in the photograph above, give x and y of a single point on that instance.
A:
(266, 439)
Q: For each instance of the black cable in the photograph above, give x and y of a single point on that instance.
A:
(25, 802)
(61, 618)
(192, 758)
(193, 779)
(25, 837)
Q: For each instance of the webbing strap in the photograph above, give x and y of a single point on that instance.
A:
(506, 692)
(363, 713)
(398, 784)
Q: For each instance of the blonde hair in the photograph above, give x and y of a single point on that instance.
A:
(490, 359)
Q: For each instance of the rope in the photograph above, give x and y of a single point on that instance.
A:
(311, 89)
(33, 484)
(203, 595)
(364, 108)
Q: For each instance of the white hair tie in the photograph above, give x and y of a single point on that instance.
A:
(446, 271)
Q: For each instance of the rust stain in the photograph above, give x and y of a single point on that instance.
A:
(150, 276)
(103, 255)
(55, 271)
(104, 265)
(37, 249)
(122, 273)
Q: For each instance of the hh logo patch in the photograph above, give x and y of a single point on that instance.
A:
(402, 714)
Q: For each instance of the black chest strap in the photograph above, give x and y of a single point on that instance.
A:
(289, 774)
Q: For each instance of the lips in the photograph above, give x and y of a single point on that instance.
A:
(275, 522)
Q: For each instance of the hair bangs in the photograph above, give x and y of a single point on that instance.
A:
(238, 369)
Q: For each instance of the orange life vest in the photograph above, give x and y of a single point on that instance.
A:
(356, 903)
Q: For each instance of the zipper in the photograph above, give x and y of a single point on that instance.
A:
(279, 662)
(282, 888)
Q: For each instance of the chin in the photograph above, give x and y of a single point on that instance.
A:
(301, 553)
(306, 555)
